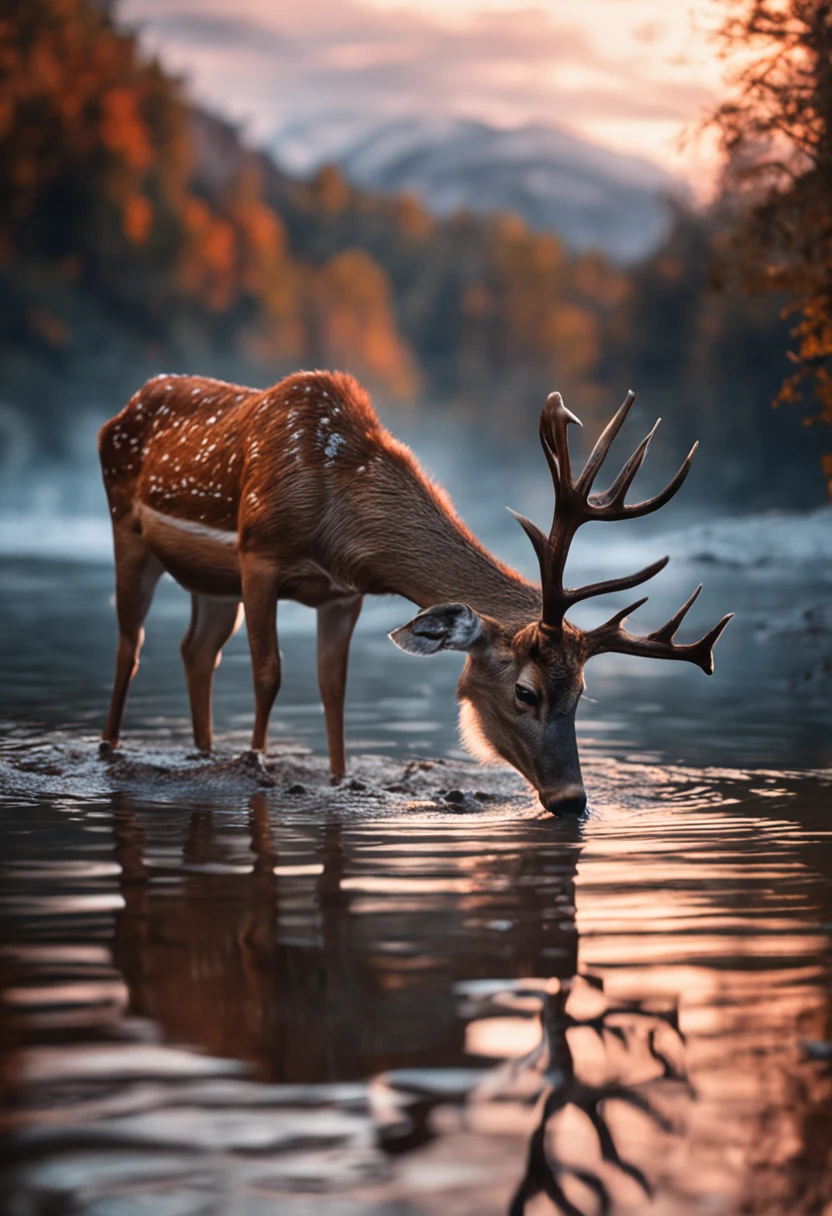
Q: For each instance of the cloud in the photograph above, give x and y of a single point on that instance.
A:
(274, 63)
(648, 32)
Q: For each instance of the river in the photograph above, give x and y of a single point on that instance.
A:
(418, 994)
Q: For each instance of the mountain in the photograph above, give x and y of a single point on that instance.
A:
(593, 197)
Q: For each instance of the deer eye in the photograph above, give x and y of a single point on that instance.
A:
(525, 695)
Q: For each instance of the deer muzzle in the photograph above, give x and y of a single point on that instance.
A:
(567, 802)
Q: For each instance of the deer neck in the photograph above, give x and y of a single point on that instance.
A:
(429, 556)
(471, 575)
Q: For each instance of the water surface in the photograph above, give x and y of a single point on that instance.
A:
(229, 998)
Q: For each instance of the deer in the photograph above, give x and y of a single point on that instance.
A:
(248, 496)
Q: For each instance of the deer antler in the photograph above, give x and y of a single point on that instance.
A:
(576, 505)
(611, 638)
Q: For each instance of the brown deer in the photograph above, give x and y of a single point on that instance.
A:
(297, 492)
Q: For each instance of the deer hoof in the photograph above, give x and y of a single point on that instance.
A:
(107, 750)
(255, 762)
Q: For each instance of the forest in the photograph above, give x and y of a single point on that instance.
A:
(140, 234)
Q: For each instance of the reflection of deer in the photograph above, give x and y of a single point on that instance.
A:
(544, 1172)
(208, 959)
(185, 953)
(298, 492)
(226, 958)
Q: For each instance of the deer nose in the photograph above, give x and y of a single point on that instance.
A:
(567, 803)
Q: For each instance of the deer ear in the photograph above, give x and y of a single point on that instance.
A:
(443, 627)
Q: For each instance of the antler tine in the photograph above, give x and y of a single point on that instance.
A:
(576, 594)
(710, 640)
(569, 512)
(536, 535)
(611, 638)
(615, 495)
(653, 504)
(554, 419)
(574, 505)
(619, 617)
(599, 453)
(668, 632)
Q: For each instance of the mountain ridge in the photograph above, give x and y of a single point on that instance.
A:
(591, 196)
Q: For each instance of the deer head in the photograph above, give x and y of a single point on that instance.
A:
(520, 686)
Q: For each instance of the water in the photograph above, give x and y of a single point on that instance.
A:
(222, 997)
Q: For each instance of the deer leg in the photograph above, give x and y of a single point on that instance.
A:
(213, 622)
(261, 585)
(137, 573)
(336, 622)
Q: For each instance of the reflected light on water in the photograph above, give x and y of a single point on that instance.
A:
(440, 1013)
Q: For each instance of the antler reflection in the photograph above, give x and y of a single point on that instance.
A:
(544, 1172)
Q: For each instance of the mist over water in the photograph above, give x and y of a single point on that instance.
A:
(771, 569)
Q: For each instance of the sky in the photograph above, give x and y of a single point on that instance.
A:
(627, 74)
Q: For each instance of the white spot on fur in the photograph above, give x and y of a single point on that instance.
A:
(334, 445)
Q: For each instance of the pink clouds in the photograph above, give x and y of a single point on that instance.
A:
(629, 75)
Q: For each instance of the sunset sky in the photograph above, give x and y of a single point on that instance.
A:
(630, 74)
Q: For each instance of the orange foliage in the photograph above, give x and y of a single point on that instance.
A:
(138, 216)
(413, 221)
(98, 149)
(598, 281)
(776, 136)
(209, 260)
(51, 328)
(572, 335)
(95, 149)
(477, 302)
(329, 190)
(355, 326)
(263, 231)
(123, 131)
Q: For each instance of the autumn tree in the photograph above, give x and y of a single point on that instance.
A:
(775, 131)
(350, 321)
(128, 221)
